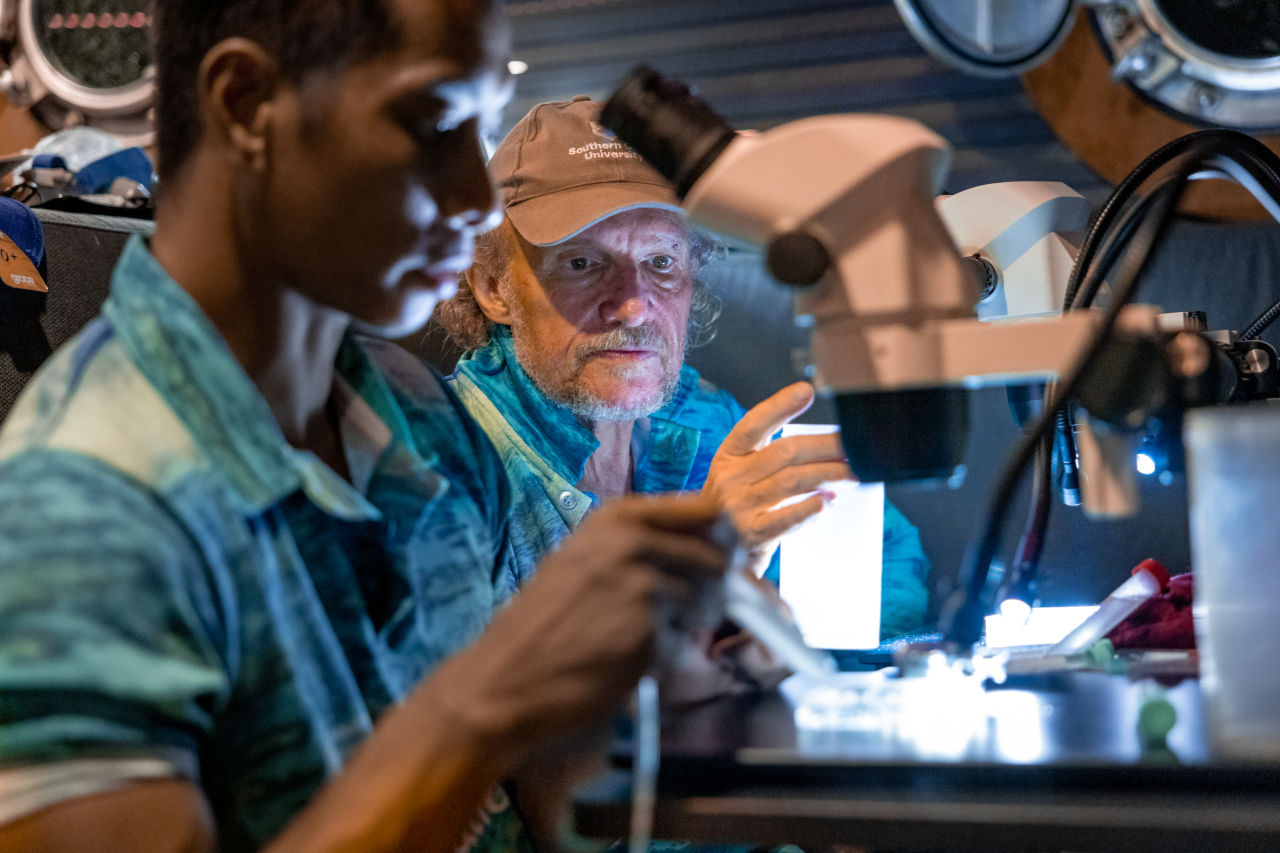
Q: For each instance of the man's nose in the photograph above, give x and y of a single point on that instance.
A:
(628, 302)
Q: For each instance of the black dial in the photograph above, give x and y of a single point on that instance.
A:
(99, 44)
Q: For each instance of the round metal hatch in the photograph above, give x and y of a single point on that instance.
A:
(79, 62)
(992, 38)
(1211, 62)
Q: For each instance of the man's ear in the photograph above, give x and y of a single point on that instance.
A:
(238, 82)
(489, 295)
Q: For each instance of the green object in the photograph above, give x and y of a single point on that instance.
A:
(1100, 653)
(1156, 718)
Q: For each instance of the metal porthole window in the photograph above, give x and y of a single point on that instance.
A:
(80, 62)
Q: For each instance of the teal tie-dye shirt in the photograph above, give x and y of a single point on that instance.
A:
(177, 582)
(544, 449)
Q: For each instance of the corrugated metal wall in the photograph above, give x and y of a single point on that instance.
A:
(763, 62)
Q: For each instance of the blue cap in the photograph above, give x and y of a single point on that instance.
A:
(20, 224)
(131, 163)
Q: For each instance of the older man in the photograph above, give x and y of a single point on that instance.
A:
(576, 317)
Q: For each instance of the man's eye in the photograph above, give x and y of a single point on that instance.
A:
(579, 264)
(663, 262)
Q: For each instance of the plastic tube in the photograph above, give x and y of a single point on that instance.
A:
(1148, 578)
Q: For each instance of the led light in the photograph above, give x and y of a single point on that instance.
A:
(517, 66)
(1015, 611)
(1146, 465)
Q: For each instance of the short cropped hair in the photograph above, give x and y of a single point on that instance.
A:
(468, 327)
(304, 36)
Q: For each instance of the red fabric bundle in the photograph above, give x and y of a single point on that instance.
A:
(1162, 622)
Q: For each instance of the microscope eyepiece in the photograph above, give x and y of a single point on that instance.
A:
(667, 124)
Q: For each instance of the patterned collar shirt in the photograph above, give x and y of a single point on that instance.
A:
(545, 448)
(184, 593)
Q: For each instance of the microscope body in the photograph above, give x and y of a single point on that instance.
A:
(895, 337)
(862, 187)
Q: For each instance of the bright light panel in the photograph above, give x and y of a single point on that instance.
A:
(1044, 626)
(830, 574)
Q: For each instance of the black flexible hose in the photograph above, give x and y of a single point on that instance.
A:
(1087, 276)
(1246, 147)
(1112, 245)
(962, 617)
(1092, 278)
(1021, 579)
(963, 613)
(1263, 320)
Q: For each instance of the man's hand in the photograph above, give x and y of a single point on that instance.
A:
(712, 662)
(557, 661)
(579, 635)
(750, 476)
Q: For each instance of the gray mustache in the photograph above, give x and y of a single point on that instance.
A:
(640, 337)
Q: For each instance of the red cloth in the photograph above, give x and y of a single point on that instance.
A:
(1161, 622)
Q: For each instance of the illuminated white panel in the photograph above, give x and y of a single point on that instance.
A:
(831, 565)
(1043, 626)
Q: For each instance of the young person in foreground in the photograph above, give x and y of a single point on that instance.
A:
(249, 557)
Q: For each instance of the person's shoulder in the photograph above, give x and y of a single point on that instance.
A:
(90, 399)
(411, 378)
(436, 416)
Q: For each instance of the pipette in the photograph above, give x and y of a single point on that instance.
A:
(753, 611)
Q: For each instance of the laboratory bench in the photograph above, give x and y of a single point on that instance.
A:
(1069, 761)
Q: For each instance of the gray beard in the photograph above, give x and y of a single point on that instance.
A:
(591, 409)
(581, 402)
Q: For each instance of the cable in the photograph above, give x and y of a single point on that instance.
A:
(1258, 178)
(1247, 148)
(1112, 245)
(1063, 433)
(963, 614)
(1020, 581)
(1234, 153)
(1263, 320)
(1084, 269)
(1251, 164)
(644, 771)
(1064, 440)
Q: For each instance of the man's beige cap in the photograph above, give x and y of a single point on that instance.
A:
(559, 171)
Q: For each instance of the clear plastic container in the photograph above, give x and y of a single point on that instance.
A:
(1233, 461)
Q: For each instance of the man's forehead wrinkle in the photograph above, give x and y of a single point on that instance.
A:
(638, 242)
(645, 232)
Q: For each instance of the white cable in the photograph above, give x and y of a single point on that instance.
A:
(1242, 176)
(644, 767)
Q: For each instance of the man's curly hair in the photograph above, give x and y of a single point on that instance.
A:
(468, 327)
